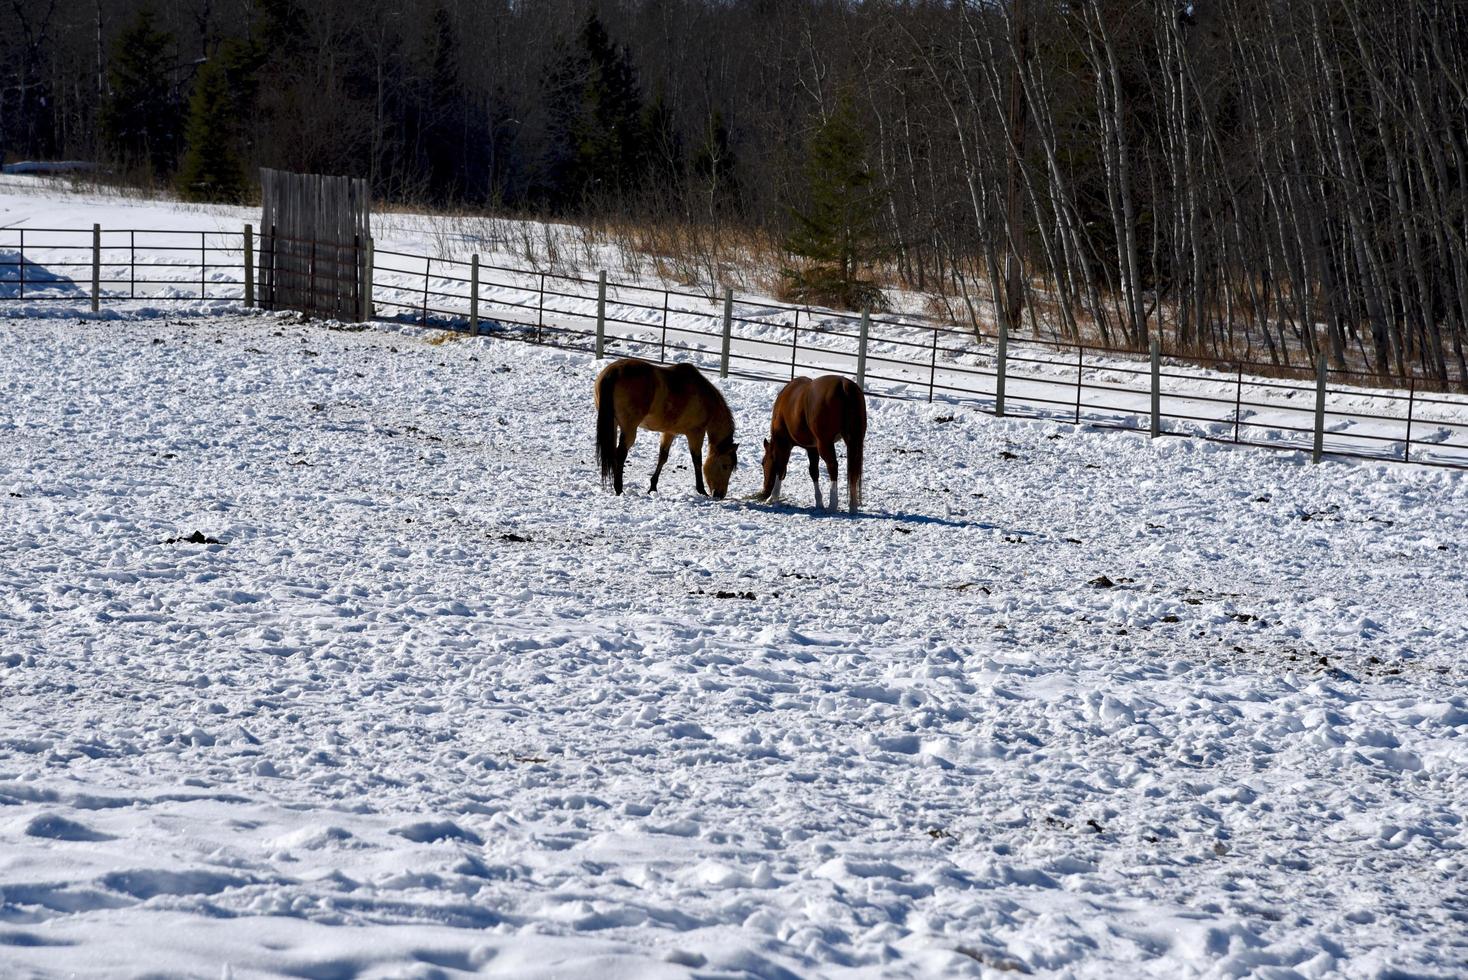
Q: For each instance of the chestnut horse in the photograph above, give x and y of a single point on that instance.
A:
(814, 415)
(675, 400)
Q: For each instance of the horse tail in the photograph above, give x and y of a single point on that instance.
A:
(606, 425)
(854, 429)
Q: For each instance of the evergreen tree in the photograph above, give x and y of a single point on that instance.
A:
(837, 233)
(714, 164)
(139, 116)
(597, 126)
(662, 146)
(213, 166)
(447, 141)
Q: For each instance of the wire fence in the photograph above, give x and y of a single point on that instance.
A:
(1336, 412)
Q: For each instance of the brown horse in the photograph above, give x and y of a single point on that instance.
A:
(675, 400)
(814, 415)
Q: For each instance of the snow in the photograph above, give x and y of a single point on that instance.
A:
(434, 703)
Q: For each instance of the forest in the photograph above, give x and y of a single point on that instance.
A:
(1274, 180)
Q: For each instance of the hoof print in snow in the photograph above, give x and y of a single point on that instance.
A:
(945, 418)
(1014, 539)
(53, 827)
(1006, 454)
(1102, 582)
(1170, 618)
(513, 538)
(198, 537)
(992, 960)
(683, 957)
(906, 452)
(903, 530)
(432, 831)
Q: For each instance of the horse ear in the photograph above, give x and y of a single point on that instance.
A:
(733, 446)
(767, 445)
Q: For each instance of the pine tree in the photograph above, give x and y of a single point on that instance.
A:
(597, 125)
(663, 157)
(439, 109)
(838, 232)
(139, 118)
(213, 167)
(714, 163)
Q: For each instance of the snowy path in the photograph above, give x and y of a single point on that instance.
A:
(436, 686)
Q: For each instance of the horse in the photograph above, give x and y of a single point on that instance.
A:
(814, 415)
(675, 400)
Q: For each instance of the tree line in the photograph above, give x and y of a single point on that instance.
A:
(1276, 179)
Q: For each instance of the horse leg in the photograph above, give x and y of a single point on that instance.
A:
(695, 449)
(624, 445)
(828, 453)
(815, 475)
(663, 448)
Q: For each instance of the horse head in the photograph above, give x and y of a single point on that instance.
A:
(774, 471)
(719, 466)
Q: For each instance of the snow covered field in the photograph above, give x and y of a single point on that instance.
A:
(436, 704)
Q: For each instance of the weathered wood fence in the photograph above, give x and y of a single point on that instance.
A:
(315, 245)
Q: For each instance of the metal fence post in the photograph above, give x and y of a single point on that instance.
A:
(1156, 387)
(1238, 402)
(794, 345)
(249, 266)
(96, 265)
(1080, 371)
(663, 344)
(728, 331)
(1411, 398)
(1002, 370)
(203, 263)
(861, 350)
(1319, 410)
(427, 269)
(474, 294)
(601, 313)
(367, 310)
(933, 366)
(540, 310)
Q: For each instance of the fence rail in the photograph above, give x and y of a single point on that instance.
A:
(1336, 412)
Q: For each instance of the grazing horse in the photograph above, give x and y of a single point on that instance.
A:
(814, 415)
(675, 400)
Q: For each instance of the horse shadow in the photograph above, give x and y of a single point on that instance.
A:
(916, 520)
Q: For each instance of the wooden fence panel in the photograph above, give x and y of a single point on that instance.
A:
(314, 232)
